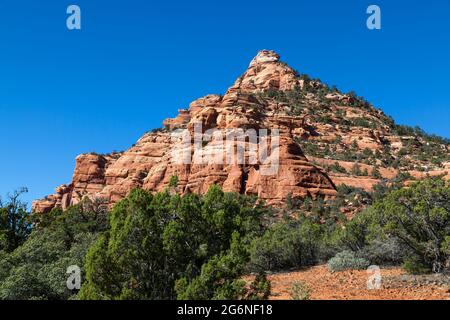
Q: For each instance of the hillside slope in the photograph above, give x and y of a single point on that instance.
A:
(326, 138)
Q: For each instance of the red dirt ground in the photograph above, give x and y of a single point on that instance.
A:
(352, 285)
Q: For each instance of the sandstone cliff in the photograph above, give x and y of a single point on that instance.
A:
(323, 133)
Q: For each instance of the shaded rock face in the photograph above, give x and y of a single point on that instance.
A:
(149, 164)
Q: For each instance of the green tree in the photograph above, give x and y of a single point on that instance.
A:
(416, 218)
(15, 225)
(37, 269)
(420, 217)
(288, 244)
(167, 246)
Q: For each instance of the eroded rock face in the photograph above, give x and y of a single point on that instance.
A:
(323, 135)
(149, 164)
(265, 72)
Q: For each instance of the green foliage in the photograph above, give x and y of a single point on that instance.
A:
(15, 225)
(173, 183)
(413, 223)
(423, 147)
(414, 265)
(356, 170)
(37, 269)
(420, 217)
(347, 260)
(403, 130)
(324, 119)
(358, 102)
(338, 151)
(367, 234)
(355, 235)
(376, 173)
(336, 167)
(367, 153)
(445, 247)
(362, 122)
(292, 243)
(385, 251)
(300, 291)
(259, 288)
(310, 148)
(167, 246)
(158, 130)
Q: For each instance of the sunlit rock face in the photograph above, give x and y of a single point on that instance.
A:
(250, 105)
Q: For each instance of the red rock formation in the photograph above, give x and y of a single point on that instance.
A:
(149, 163)
(269, 95)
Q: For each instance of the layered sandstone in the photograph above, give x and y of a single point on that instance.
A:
(149, 163)
(323, 135)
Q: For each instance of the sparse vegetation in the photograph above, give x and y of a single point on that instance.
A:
(336, 167)
(347, 260)
(376, 173)
(300, 291)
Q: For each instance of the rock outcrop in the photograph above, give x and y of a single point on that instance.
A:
(323, 134)
(149, 164)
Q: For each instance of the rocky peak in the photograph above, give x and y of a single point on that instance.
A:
(327, 138)
(266, 72)
(264, 56)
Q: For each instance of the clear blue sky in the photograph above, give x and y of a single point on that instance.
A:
(135, 63)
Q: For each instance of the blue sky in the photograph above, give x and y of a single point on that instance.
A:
(135, 63)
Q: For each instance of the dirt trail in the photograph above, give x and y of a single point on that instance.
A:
(352, 285)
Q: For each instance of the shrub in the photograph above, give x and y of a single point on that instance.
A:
(300, 291)
(361, 122)
(293, 203)
(404, 222)
(259, 288)
(173, 182)
(419, 216)
(15, 224)
(37, 269)
(336, 167)
(376, 173)
(385, 251)
(347, 260)
(356, 170)
(167, 246)
(414, 265)
(288, 244)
